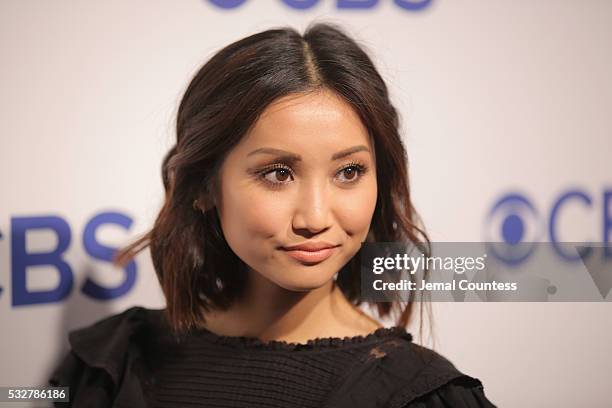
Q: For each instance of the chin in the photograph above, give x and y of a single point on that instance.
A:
(305, 283)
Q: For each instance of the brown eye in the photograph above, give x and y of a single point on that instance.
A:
(278, 175)
(352, 173)
(284, 174)
(349, 173)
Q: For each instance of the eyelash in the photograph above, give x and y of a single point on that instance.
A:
(261, 175)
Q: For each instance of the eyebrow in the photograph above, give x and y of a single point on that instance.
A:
(295, 157)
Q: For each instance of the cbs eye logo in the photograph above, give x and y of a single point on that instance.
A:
(513, 226)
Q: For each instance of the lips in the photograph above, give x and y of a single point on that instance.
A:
(310, 246)
(312, 252)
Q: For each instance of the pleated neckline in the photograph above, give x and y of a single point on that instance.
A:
(319, 343)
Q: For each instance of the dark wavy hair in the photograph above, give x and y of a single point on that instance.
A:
(196, 268)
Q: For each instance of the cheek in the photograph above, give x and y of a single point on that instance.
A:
(357, 209)
(250, 213)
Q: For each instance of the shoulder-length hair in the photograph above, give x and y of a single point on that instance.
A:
(196, 268)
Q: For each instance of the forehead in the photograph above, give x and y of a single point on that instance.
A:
(318, 119)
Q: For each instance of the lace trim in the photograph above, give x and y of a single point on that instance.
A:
(320, 343)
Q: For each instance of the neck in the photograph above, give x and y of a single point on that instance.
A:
(270, 312)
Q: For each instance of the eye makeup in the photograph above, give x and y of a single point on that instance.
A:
(261, 174)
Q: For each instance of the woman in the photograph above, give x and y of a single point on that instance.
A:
(288, 157)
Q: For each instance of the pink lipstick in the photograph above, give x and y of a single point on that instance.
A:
(311, 252)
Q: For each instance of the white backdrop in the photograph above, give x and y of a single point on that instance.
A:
(495, 97)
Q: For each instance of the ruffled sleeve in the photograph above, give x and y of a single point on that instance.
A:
(101, 367)
(461, 392)
(406, 375)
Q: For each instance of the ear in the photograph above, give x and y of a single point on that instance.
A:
(204, 202)
(207, 198)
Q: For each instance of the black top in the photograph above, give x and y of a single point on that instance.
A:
(131, 360)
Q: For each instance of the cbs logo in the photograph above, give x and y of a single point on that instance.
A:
(515, 221)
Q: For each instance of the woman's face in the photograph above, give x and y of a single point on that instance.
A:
(305, 173)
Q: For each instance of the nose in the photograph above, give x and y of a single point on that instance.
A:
(312, 210)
